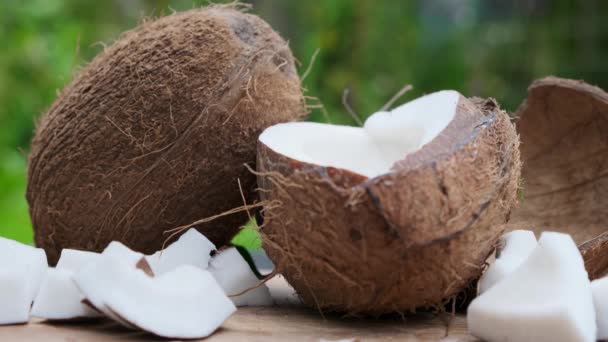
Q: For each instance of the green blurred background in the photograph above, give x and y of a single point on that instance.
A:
(490, 48)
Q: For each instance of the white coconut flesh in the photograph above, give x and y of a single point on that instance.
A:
(234, 275)
(600, 299)
(184, 303)
(119, 251)
(192, 248)
(14, 295)
(371, 150)
(89, 278)
(22, 274)
(516, 246)
(59, 298)
(73, 260)
(547, 298)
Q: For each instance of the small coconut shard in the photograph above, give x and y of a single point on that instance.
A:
(155, 132)
(364, 222)
(27, 258)
(185, 303)
(60, 299)
(563, 125)
(548, 298)
(15, 299)
(514, 247)
(192, 248)
(95, 279)
(73, 260)
(237, 279)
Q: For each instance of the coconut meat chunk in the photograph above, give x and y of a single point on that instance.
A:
(516, 246)
(547, 298)
(385, 138)
(235, 276)
(15, 299)
(184, 303)
(21, 276)
(192, 248)
(59, 298)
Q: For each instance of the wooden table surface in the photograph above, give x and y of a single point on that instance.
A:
(264, 324)
(286, 322)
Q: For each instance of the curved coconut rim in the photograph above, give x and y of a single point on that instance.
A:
(488, 106)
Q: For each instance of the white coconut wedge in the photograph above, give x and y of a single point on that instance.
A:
(15, 300)
(514, 247)
(94, 276)
(121, 252)
(24, 269)
(59, 298)
(184, 303)
(192, 248)
(235, 276)
(547, 298)
(600, 299)
(73, 260)
(436, 176)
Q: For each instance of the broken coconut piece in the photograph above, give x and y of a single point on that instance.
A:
(562, 125)
(15, 300)
(59, 298)
(514, 247)
(235, 276)
(184, 303)
(90, 277)
(356, 217)
(73, 260)
(599, 289)
(192, 248)
(547, 298)
(32, 260)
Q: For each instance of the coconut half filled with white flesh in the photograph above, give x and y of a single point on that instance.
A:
(398, 214)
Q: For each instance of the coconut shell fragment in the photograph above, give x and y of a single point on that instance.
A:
(563, 125)
(154, 133)
(411, 237)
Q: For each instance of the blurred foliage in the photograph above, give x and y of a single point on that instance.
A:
(489, 48)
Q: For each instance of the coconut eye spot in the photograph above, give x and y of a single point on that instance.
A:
(385, 138)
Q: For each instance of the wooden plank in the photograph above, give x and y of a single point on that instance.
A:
(286, 323)
(289, 321)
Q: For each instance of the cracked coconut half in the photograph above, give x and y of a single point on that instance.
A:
(398, 214)
(563, 126)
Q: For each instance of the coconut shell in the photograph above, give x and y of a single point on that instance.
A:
(406, 239)
(563, 126)
(155, 131)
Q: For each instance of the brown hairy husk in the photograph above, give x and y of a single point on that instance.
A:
(411, 238)
(154, 133)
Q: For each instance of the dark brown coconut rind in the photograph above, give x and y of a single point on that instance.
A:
(345, 244)
(595, 254)
(563, 126)
(155, 131)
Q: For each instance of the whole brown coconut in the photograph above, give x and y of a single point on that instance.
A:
(408, 238)
(155, 131)
(563, 126)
